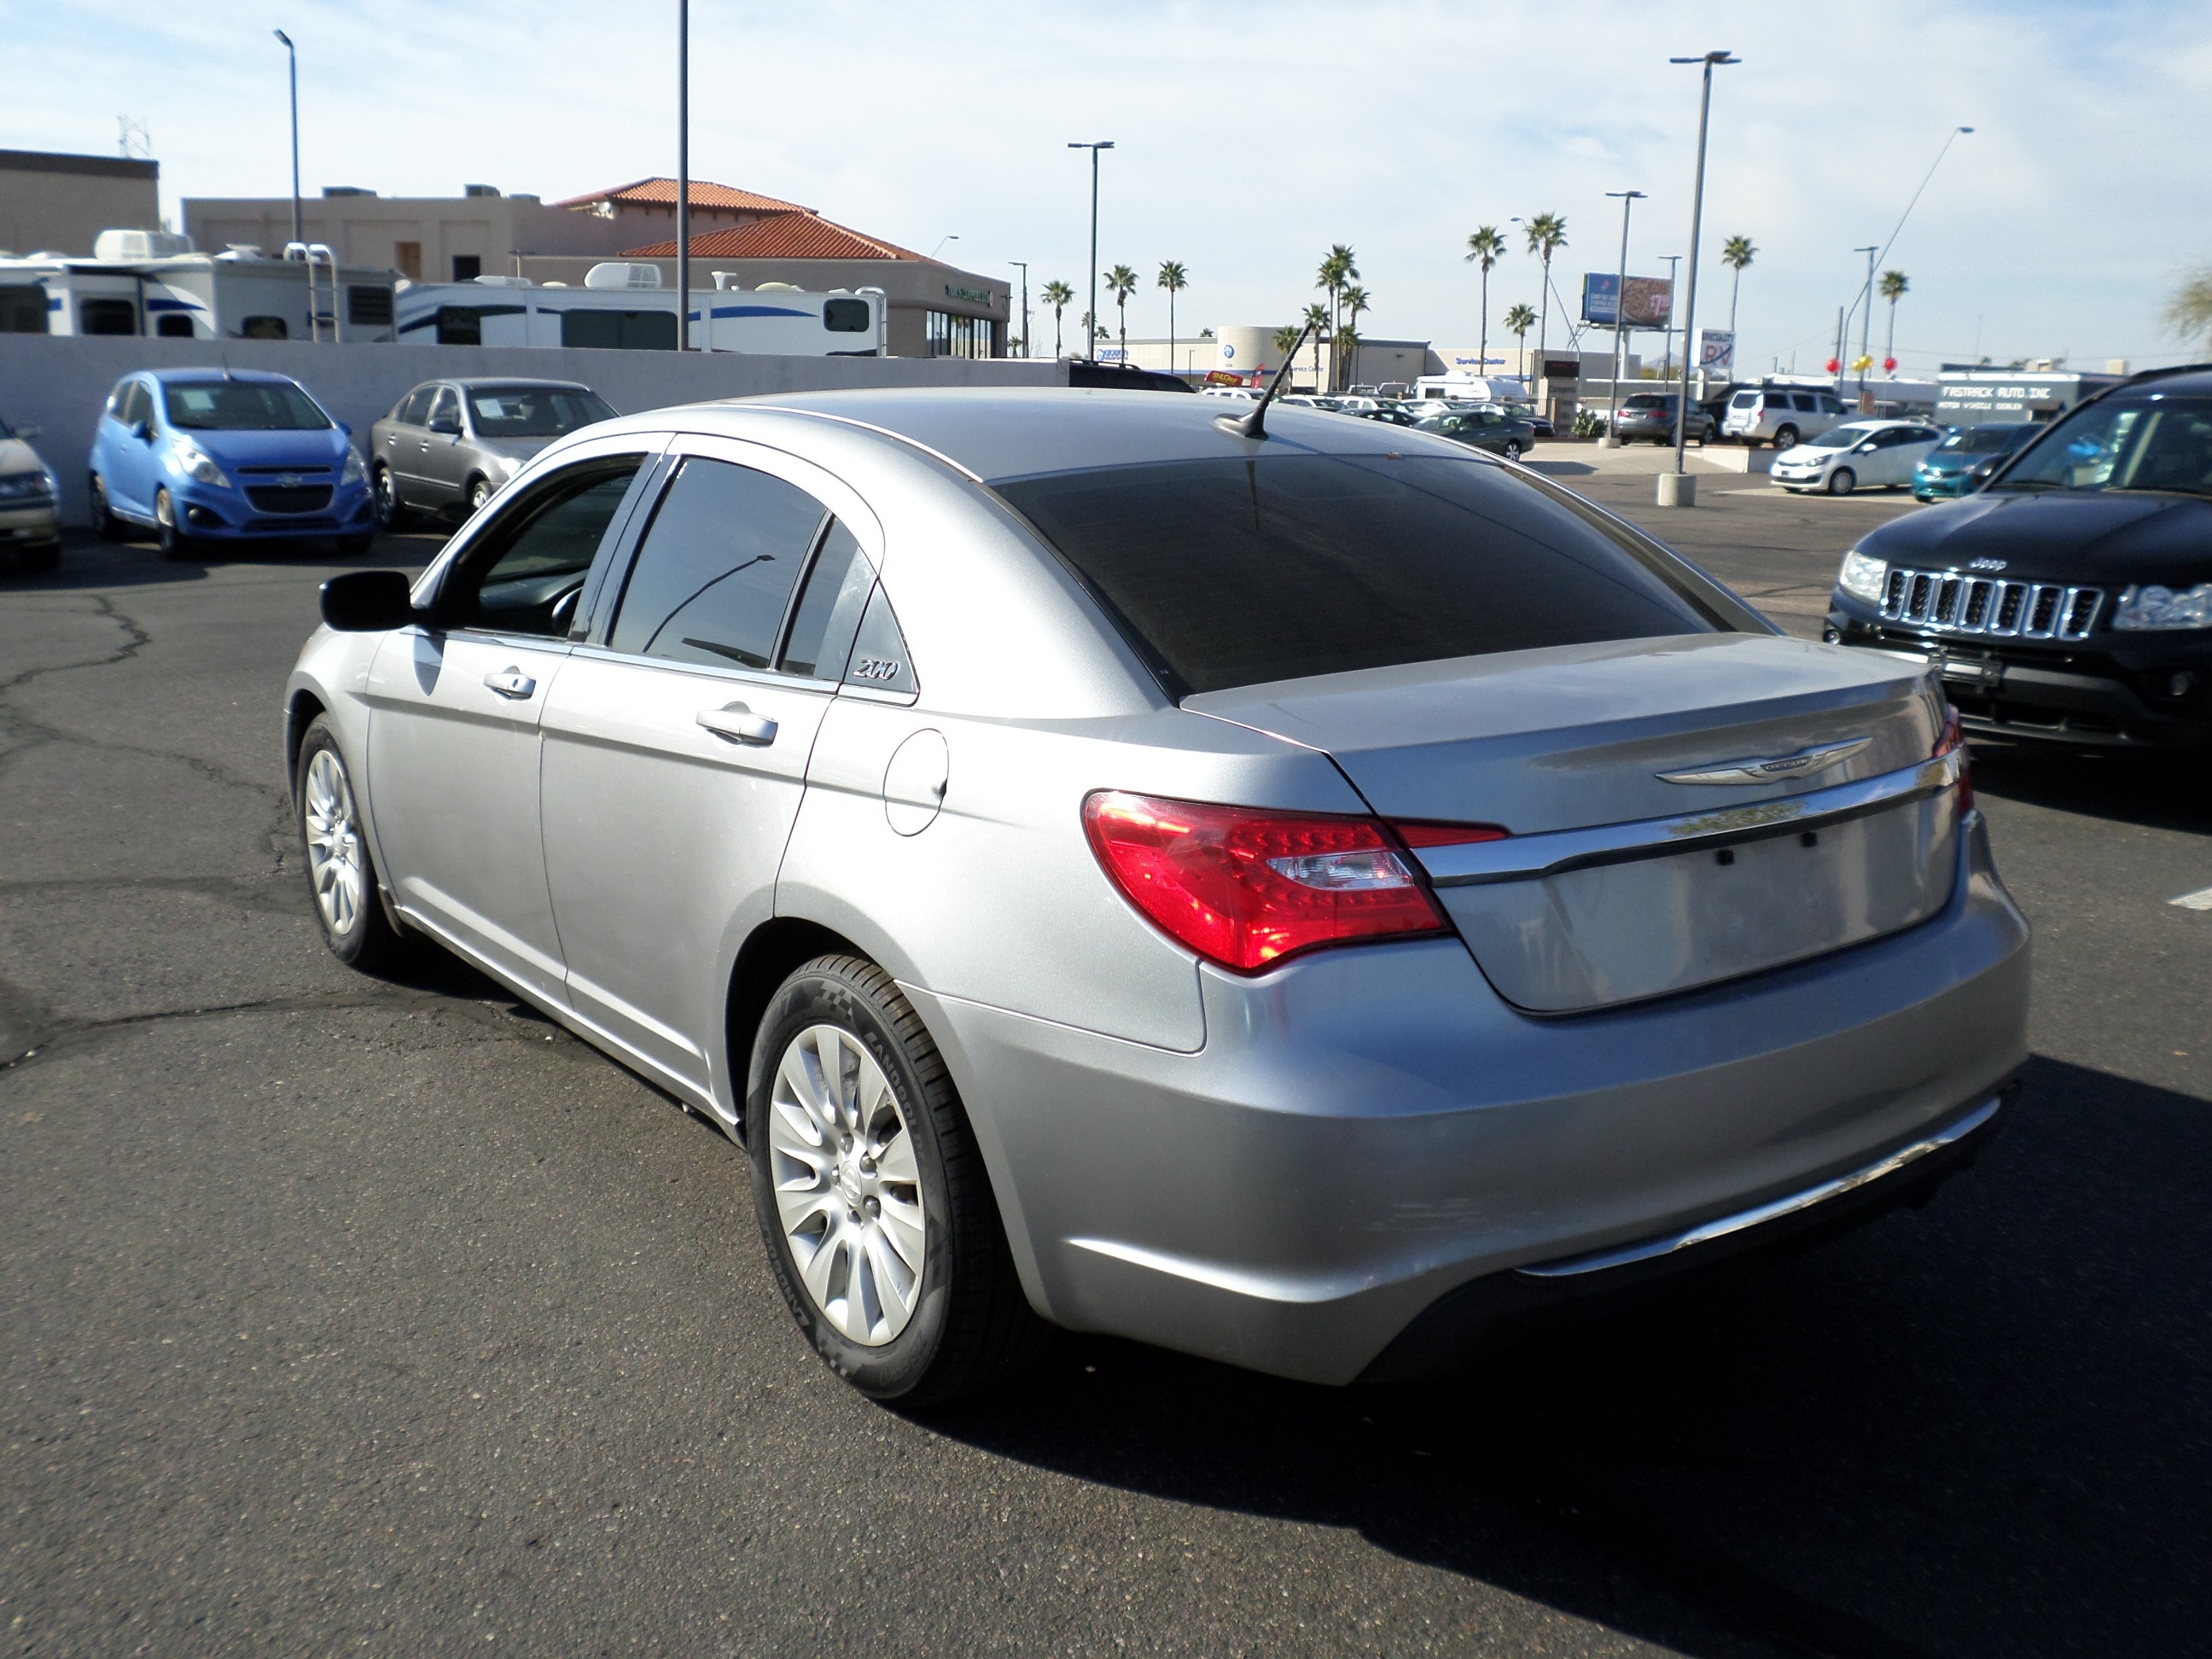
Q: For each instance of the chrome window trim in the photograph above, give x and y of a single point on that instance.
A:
(1523, 858)
(1706, 1232)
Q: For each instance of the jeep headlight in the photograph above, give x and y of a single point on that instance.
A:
(1863, 577)
(2150, 606)
(196, 464)
(356, 471)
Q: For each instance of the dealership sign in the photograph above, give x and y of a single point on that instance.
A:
(1650, 300)
(1716, 351)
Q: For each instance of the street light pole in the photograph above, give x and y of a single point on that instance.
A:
(684, 175)
(1711, 60)
(1090, 341)
(292, 55)
(1629, 198)
(1667, 350)
(1023, 263)
(1866, 303)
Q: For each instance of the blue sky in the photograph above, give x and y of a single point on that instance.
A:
(1253, 136)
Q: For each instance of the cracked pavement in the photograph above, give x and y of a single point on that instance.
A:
(343, 1313)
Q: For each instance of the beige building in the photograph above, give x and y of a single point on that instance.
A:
(51, 202)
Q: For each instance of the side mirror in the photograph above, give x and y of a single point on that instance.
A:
(142, 430)
(27, 431)
(368, 602)
(446, 425)
(1867, 447)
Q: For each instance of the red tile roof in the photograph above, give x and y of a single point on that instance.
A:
(786, 236)
(661, 193)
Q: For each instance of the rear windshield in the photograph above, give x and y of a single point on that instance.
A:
(242, 406)
(1647, 400)
(1228, 573)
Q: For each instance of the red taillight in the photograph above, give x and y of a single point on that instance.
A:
(1246, 887)
(1417, 834)
(1955, 737)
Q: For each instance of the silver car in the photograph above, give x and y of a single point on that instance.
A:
(1318, 901)
(448, 446)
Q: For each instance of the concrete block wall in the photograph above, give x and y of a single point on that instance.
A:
(59, 383)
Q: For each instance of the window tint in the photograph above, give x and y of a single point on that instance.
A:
(845, 316)
(879, 656)
(414, 406)
(106, 316)
(242, 406)
(1227, 573)
(619, 331)
(711, 580)
(540, 550)
(828, 613)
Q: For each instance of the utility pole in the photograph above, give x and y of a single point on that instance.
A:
(1090, 324)
(293, 54)
(684, 175)
(1866, 310)
(1673, 281)
(1023, 263)
(1683, 493)
(1629, 198)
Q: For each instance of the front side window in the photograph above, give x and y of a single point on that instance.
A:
(1840, 437)
(241, 406)
(532, 411)
(2158, 443)
(717, 566)
(534, 559)
(1230, 573)
(445, 412)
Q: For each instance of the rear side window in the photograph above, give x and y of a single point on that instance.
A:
(1229, 573)
(717, 566)
(828, 613)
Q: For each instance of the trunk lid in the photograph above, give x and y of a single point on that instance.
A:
(1617, 884)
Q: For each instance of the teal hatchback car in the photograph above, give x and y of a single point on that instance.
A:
(1966, 457)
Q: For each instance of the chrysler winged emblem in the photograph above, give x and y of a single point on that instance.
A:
(1772, 768)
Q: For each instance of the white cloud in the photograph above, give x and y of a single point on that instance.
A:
(1253, 136)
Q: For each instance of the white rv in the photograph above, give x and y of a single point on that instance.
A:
(145, 283)
(1469, 389)
(623, 307)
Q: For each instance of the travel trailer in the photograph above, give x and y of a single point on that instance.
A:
(623, 307)
(148, 283)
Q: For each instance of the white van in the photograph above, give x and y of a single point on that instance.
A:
(1780, 416)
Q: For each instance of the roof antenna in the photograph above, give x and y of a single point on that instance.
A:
(1255, 425)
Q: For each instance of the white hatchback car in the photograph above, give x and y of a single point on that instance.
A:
(1864, 454)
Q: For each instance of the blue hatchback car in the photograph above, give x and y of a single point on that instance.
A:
(1967, 457)
(207, 455)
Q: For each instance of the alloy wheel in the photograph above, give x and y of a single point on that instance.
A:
(847, 1189)
(333, 833)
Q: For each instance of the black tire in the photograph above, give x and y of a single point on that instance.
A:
(175, 542)
(104, 524)
(1512, 450)
(1786, 437)
(392, 513)
(363, 937)
(971, 1326)
(1842, 481)
(478, 495)
(352, 547)
(42, 558)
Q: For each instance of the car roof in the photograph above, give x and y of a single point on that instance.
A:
(468, 382)
(203, 376)
(998, 433)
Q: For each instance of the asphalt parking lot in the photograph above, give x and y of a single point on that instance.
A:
(345, 1315)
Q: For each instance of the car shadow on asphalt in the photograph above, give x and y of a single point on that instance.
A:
(89, 564)
(2154, 791)
(1976, 1429)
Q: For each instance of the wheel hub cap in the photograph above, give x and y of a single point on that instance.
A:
(847, 1189)
(335, 865)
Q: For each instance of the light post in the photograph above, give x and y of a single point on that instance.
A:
(1629, 198)
(684, 175)
(1866, 300)
(292, 55)
(1684, 492)
(1023, 264)
(1667, 350)
(1091, 326)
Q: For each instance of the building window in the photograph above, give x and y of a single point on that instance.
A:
(467, 267)
(959, 336)
(407, 259)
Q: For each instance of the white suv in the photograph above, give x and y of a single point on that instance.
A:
(1780, 416)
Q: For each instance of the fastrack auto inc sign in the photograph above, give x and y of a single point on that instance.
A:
(1971, 398)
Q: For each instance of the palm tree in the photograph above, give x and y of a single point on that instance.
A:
(1339, 267)
(1121, 282)
(1484, 248)
(1317, 318)
(1736, 253)
(1058, 295)
(1518, 322)
(1345, 357)
(1893, 287)
(1547, 234)
(1090, 335)
(1174, 279)
(2188, 312)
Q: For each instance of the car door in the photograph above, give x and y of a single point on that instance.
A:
(129, 477)
(455, 708)
(400, 444)
(676, 741)
(443, 457)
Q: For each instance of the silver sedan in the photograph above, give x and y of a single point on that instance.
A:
(1320, 900)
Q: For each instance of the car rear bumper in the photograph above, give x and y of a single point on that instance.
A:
(1367, 1131)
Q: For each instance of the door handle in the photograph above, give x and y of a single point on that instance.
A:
(510, 683)
(739, 725)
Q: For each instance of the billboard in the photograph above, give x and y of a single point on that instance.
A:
(1650, 300)
(1716, 354)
